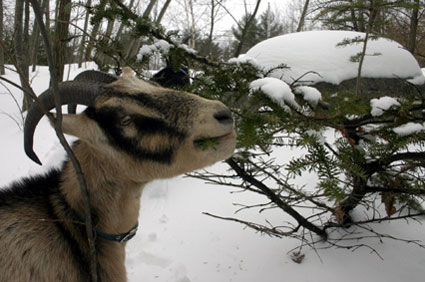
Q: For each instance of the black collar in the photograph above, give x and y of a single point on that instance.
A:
(120, 238)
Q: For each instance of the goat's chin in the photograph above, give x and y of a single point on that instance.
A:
(192, 157)
(213, 150)
(189, 157)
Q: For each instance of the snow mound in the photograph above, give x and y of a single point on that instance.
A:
(275, 89)
(310, 94)
(408, 129)
(244, 59)
(318, 51)
(379, 106)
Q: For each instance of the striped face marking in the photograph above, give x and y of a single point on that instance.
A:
(159, 128)
(153, 132)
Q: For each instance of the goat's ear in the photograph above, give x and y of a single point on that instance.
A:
(80, 126)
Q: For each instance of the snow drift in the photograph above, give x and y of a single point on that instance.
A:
(321, 52)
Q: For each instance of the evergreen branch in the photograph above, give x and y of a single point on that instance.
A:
(158, 34)
(261, 228)
(276, 199)
(379, 165)
(289, 188)
(373, 220)
(375, 189)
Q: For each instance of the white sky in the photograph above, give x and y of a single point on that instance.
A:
(175, 15)
(237, 8)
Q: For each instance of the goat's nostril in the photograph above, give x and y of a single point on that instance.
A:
(224, 116)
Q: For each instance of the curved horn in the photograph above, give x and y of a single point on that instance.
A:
(93, 76)
(96, 76)
(76, 92)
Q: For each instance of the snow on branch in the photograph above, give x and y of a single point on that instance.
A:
(409, 129)
(159, 46)
(277, 90)
(379, 106)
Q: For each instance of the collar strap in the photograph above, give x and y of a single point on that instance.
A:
(120, 238)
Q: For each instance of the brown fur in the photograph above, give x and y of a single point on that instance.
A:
(42, 239)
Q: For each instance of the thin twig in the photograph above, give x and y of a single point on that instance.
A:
(67, 147)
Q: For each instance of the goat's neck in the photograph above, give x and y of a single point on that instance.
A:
(114, 200)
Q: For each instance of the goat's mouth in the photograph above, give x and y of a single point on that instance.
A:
(205, 143)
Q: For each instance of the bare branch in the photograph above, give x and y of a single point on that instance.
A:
(63, 141)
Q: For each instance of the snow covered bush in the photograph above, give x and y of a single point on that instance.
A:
(356, 161)
(359, 160)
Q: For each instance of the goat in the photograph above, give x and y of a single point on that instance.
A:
(131, 133)
(169, 77)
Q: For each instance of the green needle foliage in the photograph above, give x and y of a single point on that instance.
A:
(364, 164)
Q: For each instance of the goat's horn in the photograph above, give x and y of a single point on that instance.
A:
(71, 92)
(96, 76)
(93, 76)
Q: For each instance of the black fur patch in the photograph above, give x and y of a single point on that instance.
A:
(42, 191)
(172, 105)
(109, 119)
(31, 190)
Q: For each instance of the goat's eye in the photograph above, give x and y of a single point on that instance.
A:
(126, 120)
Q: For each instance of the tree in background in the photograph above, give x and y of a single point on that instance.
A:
(303, 16)
(269, 25)
(387, 18)
(21, 37)
(250, 30)
(1, 38)
(60, 37)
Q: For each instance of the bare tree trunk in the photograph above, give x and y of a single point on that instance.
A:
(94, 32)
(212, 21)
(83, 39)
(1, 38)
(361, 19)
(135, 42)
(121, 28)
(149, 8)
(414, 19)
(109, 28)
(353, 17)
(46, 10)
(60, 37)
(162, 12)
(372, 16)
(246, 28)
(192, 42)
(303, 15)
(35, 39)
(19, 46)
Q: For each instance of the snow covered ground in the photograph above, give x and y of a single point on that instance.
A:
(177, 243)
(320, 52)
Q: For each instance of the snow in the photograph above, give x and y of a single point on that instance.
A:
(310, 94)
(321, 138)
(275, 89)
(159, 46)
(380, 105)
(176, 242)
(244, 59)
(317, 51)
(409, 128)
(187, 49)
